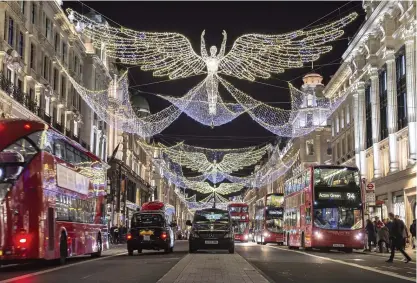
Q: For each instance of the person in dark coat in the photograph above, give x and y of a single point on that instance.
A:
(397, 238)
(370, 231)
(413, 233)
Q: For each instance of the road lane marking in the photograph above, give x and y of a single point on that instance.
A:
(396, 258)
(57, 268)
(351, 264)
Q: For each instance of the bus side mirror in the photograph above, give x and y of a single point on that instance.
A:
(188, 223)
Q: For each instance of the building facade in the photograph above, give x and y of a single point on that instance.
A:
(375, 128)
(36, 38)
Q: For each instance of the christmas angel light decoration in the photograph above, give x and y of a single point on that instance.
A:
(252, 56)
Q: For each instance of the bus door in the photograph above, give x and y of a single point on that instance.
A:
(50, 233)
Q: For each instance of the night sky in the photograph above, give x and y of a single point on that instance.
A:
(237, 18)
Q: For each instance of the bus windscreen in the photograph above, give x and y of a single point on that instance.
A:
(337, 199)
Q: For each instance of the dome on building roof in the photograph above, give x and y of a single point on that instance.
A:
(313, 79)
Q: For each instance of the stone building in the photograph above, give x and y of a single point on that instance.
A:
(35, 39)
(375, 128)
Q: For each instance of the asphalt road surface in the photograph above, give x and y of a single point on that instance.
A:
(275, 263)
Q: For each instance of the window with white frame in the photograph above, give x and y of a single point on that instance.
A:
(310, 147)
(337, 123)
(347, 114)
(48, 28)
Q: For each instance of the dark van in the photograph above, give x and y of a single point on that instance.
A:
(211, 228)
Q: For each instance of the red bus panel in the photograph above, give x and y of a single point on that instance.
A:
(269, 219)
(239, 213)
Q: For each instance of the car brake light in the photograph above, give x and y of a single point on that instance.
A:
(23, 240)
(27, 126)
(163, 235)
(129, 236)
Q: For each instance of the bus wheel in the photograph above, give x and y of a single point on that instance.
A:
(348, 250)
(63, 248)
(99, 247)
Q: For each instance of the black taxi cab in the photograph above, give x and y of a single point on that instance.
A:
(151, 229)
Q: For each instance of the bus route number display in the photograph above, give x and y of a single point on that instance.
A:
(337, 195)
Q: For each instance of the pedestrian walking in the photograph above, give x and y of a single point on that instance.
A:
(397, 238)
(413, 233)
(383, 239)
(116, 235)
(370, 232)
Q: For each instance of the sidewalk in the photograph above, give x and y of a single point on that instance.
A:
(213, 268)
(398, 255)
(115, 249)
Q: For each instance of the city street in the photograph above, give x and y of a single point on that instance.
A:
(274, 263)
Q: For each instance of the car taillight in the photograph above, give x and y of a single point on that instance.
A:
(22, 240)
(27, 126)
(163, 235)
(129, 236)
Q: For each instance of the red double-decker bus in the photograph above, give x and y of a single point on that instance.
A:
(239, 213)
(52, 194)
(269, 219)
(324, 209)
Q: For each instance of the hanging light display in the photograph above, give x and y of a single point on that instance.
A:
(171, 54)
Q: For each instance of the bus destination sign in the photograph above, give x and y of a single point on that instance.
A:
(337, 195)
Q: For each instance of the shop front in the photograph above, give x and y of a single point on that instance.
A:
(410, 205)
(396, 193)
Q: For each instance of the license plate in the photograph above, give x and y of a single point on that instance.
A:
(211, 242)
(146, 238)
(338, 245)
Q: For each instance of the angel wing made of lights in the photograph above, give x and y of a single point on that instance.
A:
(231, 162)
(222, 189)
(166, 54)
(252, 55)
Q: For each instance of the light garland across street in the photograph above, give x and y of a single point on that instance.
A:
(251, 56)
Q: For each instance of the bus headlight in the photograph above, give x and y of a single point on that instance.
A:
(245, 237)
(266, 234)
(358, 236)
(318, 235)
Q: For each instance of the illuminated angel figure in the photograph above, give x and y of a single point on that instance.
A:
(251, 56)
(212, 65)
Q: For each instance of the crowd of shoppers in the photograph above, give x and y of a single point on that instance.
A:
(390, 235)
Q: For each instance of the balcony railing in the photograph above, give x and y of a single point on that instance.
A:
(17, 94)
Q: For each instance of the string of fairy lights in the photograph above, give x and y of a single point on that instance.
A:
(252, 56)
